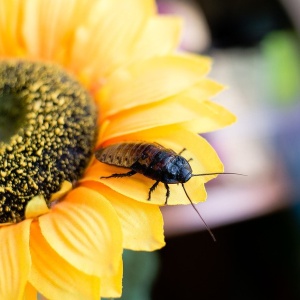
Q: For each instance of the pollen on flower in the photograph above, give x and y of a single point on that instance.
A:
(47, 132)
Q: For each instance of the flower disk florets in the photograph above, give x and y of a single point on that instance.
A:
(51, 123)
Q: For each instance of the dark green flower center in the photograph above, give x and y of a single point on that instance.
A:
(12, 114)
(47, 133)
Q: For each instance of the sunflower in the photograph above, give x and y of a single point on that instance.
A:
(74, 76)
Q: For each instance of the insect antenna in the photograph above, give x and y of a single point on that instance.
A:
(218, 173)
(193, 205)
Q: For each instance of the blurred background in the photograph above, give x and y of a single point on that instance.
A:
(256, 219)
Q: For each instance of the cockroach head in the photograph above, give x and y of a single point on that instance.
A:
(179, 170)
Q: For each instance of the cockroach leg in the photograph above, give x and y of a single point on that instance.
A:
(167, 194)
(153, 187)
(120, 175)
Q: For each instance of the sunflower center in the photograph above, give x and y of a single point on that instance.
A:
(47, 134)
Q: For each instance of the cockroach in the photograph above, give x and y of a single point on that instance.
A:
(153, 161)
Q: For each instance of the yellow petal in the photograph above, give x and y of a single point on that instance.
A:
(48, 27)
(204, 89)
(10, 16)
(111, 286)
(142, 224)
(211, 116)
(36, 206)
(66, 187)
(198, 116)
(30, 292)
(85, 230)
(139, 119)
(109, 33)
(150, 81)
(161, 36)
(54, 277)
(15, 260)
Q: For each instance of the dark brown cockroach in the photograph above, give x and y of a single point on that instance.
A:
(153, 161)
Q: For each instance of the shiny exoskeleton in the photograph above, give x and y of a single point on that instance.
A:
(153, 161)
(150, 159)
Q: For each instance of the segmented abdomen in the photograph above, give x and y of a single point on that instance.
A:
(126, 154)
